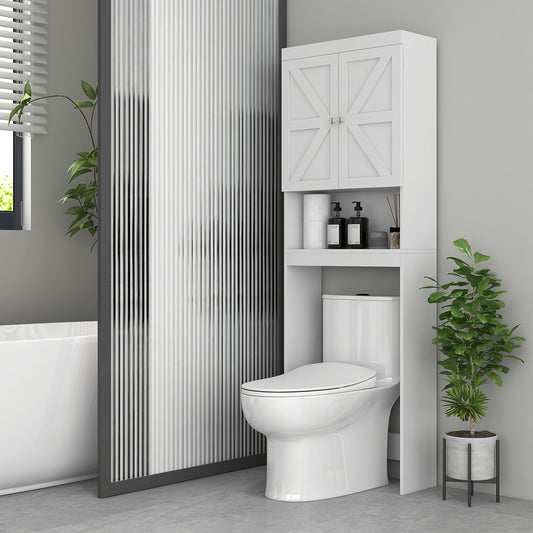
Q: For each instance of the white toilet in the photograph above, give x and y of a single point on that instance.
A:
(326, 423)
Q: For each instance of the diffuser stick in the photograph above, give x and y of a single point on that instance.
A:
(394, 212)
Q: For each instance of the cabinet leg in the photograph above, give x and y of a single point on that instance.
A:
(443, 469)
(497, 471)
(469, 475)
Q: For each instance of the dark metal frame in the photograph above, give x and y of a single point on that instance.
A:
(469, 481)
(105, 486)
(13, 219)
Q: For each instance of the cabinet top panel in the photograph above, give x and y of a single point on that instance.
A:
(356, 43)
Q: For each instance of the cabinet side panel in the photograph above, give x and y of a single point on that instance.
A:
(418, 200)
(418, 377)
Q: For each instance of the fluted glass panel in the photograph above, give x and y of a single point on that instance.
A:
(212, 230)
(129, 240)
(195, 250)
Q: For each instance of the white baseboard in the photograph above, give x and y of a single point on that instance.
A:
(46, 484)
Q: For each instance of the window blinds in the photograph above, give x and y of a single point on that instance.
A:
(22, 58)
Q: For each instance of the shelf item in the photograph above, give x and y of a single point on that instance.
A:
(357, 235)
(378, 240)
(315, 220)
(394, 234)
(336, 233)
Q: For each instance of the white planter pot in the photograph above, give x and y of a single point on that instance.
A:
(483, 457)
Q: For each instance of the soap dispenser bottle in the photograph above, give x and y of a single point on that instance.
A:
(336, 228)
(357, 229)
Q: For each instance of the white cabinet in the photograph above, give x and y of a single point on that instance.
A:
(341, 125)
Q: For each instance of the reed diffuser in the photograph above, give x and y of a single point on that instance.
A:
(394, 207)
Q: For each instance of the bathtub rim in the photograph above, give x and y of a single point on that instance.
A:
(87, 323)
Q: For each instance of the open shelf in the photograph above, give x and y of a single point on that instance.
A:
(349, 258)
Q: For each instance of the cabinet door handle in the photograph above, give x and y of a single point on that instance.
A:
(333, 121)
(341, 120)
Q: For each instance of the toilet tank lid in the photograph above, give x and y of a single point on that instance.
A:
(315, 377)
(359, 298)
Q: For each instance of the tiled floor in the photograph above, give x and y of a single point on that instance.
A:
(235, 503)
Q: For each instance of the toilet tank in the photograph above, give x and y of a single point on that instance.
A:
(362, 330)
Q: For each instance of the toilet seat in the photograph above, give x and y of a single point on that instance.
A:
(312, 379)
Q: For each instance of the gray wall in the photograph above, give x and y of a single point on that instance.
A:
(46, 276)
(485, 182)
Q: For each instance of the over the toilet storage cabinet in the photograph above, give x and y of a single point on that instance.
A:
(341, 120)
(359, 114)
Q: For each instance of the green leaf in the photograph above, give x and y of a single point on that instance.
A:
(460, 263)
(74, 210)
(79, 172)
(76, 165)
(463, 246)
(478, 258)
(483, 284)
(84, 103)
(436, 297)
(467, 336)
(27, 88)
(481, 318)
(88, 90)
(497, 379)
(457, 313)
(14, 111)
(460, 349)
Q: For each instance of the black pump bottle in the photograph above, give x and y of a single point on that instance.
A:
(357, 229)
(336, 228)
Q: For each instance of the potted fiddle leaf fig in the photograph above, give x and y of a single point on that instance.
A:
(475, 345)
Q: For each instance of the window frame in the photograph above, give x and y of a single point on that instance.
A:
(13, 219)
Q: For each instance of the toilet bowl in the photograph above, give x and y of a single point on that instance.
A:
(326, 424)
(322, 442)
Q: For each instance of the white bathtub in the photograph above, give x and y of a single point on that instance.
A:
(48, 404)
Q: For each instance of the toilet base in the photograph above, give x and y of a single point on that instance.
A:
(342, 460)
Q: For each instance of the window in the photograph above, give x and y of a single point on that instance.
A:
(22, 58)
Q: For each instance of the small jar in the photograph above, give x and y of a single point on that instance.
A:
(378, 240)
(394, 238)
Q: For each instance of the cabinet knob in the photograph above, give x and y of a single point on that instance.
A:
(333, 120)
(341, 120)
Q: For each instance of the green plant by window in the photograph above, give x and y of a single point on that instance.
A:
(85, 193)
(6, 193)
(471, 336)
